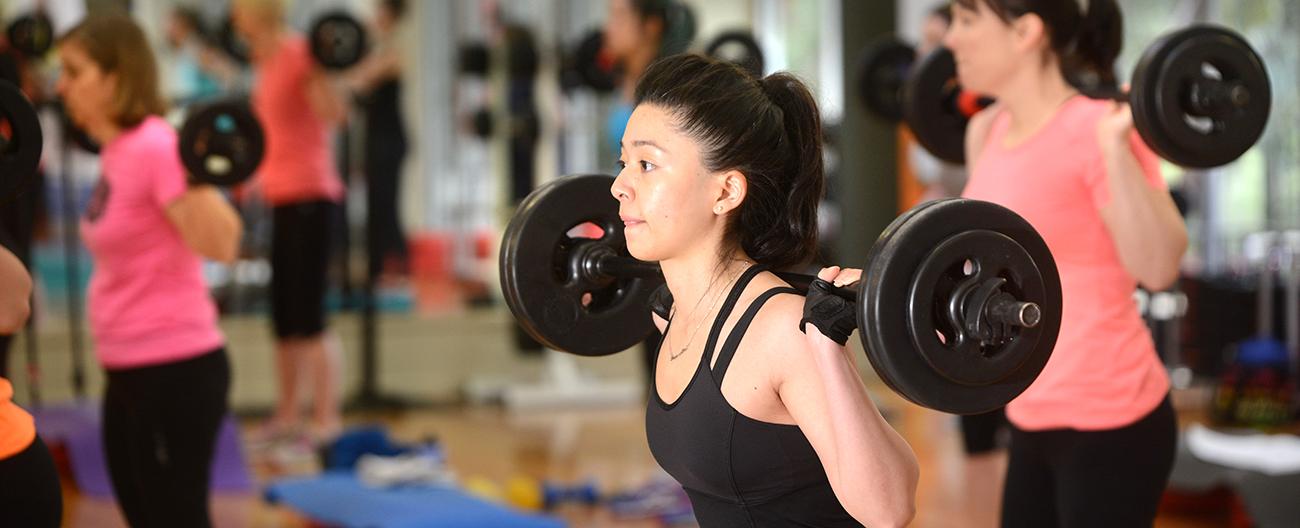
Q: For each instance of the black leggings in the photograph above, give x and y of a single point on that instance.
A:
(29, 489)
(160, 432)
(384, 235)
(1113, 478)
(980, 432)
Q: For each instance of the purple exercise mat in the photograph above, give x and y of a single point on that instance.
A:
(77, 427)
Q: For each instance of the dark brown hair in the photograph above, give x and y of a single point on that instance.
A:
(768, 129)
(1086, 40)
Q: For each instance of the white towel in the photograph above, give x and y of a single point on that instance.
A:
(1271, 454)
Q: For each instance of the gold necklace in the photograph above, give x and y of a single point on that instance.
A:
(691, 339)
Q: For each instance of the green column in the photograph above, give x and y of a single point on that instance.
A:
(868, 145)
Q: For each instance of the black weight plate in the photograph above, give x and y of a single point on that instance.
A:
(956, 355)
(338, 40)
(885, 236)
(899, 258)
(929, 106)
(1161, 97)
(882, 72)
(222, 143)
(740, 48)
(20, 142)
(231, 43)
(32, 34)
(542, 290)
(594, 70)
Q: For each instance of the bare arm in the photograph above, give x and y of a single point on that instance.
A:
(207, 222)
(1149, 233)
(872, 470)
(374, 69)
(15, 293)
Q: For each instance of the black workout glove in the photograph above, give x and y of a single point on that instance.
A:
(833, 315)
(661, 301)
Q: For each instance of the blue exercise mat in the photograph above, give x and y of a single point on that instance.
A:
(339, 499)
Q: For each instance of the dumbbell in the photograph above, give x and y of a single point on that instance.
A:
(20, 141)
(1200, 96)
(959, 305)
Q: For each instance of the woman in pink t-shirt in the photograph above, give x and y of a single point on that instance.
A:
(153, 321)
(298, 106)
(1093, 438)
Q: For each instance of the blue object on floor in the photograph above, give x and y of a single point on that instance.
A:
(352, 443)
(338, 499)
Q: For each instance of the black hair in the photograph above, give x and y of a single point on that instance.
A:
(1085, 34)
(768, 129)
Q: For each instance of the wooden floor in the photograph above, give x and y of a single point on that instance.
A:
(435, 359)
(609, 446)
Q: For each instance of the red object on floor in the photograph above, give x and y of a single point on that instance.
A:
(1219, 503)
(430, 254)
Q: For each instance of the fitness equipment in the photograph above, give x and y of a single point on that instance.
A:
(959, 306)
(20, 141)
(1200, 96)
(221, 142)
(337, 40)
(31, 33)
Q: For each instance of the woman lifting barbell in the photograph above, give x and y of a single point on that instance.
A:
(153, 321)
(297, 105)
(1093, 438)
(719, 191)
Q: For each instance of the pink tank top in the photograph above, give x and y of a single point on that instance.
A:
(298, 164)
(1104, 372)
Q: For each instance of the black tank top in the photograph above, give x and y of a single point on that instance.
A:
(738, 471)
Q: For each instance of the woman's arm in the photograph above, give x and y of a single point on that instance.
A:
(377, 67)
(207, 222)
(871, 468)
(15, 293)
(1149, 232)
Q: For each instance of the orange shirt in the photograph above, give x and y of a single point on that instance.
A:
(17, 429)
(1104, 372)
(298, 164)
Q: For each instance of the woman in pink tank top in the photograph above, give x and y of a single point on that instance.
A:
(298, 106)
(153, 321)
(1093, 438)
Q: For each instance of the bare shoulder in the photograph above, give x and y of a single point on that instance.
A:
(776, 327)
(980, 122)
(977, 130)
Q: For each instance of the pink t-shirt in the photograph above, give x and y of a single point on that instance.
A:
(148, 301)
(298, 165)
(1104, 372)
